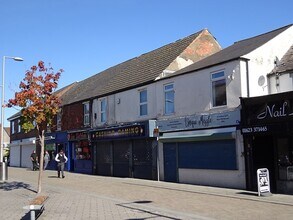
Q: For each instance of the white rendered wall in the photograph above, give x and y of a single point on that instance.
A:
(123, 107)
(283, 84)
(193, 92)
(261, 60)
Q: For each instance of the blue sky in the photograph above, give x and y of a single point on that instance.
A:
(84, 37)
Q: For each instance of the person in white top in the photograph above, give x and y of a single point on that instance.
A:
(61, 160)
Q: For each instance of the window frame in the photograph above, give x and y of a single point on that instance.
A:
(214, 94)
(143, 103)
(103, 111)
(18, 126)
(169, 91)
(86, 113)
(13, 127)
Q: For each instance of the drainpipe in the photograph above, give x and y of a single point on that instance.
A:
(247, 77)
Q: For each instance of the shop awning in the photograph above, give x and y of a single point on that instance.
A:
(199, 135)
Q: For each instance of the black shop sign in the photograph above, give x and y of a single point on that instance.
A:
(266, 110)
(130, 131)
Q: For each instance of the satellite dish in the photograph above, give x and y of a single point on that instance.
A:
(261, 80)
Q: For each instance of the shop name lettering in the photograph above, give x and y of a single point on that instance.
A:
(202, 121)
(134, 131)
(274, 112)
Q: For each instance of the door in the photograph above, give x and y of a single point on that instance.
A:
(170, 162)
(263, 157)
(121, 158)
(104, 158)
(142, 159)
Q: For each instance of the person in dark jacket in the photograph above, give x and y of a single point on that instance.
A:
(34, 159)
(61, 160)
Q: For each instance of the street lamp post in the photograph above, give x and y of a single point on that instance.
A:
(3, 166)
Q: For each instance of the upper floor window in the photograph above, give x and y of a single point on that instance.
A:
(18, 126)
(59, 118)
(103, 110)
(219, 89)
(86, 113)
(12, 127)
(169, 98)
(143, 102)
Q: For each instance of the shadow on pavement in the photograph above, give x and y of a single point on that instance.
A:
(15, 185)
(53, 177)
(248, 193)
(154, 214)
(27, 216)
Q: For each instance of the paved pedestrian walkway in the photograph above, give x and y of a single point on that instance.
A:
(80, 196)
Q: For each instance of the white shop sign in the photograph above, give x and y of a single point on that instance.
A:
(200, 121)
(263, 182)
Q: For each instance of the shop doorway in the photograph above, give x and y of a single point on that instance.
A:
(170, 162)
(121, 157)
(263, 157)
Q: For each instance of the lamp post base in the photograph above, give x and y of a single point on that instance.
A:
(3, 171)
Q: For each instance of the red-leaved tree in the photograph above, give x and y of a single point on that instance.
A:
(38, 104)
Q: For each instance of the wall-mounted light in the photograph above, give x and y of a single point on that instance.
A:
(118, 101)
(232, 75)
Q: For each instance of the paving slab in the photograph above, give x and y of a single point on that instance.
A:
(80, 196)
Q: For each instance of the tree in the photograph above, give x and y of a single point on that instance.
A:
(38, 104)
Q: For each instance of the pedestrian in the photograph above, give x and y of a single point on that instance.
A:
(46, 159)
(61, 160)
(34, 159)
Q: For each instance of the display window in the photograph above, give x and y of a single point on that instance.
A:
(82, 150)
(51, 148)
(285, 162)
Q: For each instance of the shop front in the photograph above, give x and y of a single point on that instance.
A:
(203, 149)
(20, 152)
(267, 128)
(80, 152)
(125, 151)
(54, 142)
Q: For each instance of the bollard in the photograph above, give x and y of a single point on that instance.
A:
(3, 171)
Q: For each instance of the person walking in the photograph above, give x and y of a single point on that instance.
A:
(34, 159)
(61, 160)
(46, 159)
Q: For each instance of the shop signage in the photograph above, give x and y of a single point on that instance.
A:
(274, 111)
(255, 129)
(263, 182)
(274, 108)
(200, 121)
(120, 132)
(77, 136)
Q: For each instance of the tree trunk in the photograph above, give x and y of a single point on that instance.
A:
(42, 143)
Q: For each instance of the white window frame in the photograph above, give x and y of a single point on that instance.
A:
(86, 113)
(59, 118)
(103, 109)
(12, 127)
(217, 77)
(143, 103)
(167, 91)
(18, 126)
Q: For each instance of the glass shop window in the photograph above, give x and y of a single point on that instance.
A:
(82, 151)
(285, 159)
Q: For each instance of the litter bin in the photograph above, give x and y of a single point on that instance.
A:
(3, 171)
